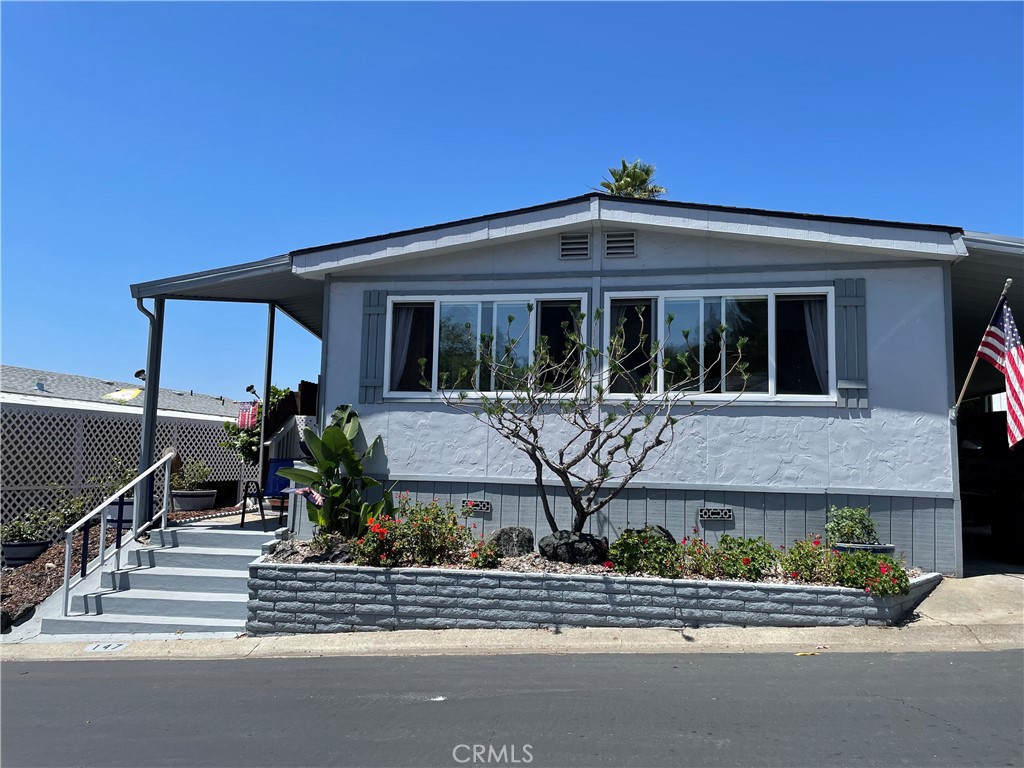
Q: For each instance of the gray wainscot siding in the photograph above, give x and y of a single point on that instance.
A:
(923, 529)
(294, 599)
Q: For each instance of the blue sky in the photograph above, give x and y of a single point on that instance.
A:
(144, 140)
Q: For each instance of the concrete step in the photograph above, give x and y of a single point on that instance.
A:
(151, 602)
(220, 537)
(221, 558)
(108, 624)
(179, 580)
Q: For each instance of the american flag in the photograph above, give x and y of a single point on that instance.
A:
(247, 415)
(309, 494)
(1002, 347)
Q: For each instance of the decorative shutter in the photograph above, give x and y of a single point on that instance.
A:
(371, 369)
(851, 343)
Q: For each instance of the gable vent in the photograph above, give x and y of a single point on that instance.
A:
(575, 246)
(620, 245)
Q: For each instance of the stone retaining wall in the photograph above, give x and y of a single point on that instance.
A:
(286, 598)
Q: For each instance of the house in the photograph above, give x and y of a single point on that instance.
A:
(61, 430)
(857, 351)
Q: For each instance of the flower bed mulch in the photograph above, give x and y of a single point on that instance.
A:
(23, 588)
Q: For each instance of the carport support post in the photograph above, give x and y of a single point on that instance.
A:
(267, 371)
(144, 509)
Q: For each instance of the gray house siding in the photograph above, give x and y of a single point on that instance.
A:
(884, 441)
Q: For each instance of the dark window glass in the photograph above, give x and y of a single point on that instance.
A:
(749, 318)
(712, 373)
(412, 338)
(459, 346)
(633, 369)
(555, 320)
(682, 344)
(801, 345)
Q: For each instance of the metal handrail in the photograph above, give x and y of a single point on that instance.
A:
(85, 523)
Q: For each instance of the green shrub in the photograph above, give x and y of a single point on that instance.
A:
(700, 559)
(191, 476)
(40, 523)
(875, 574)
(417, 534)
(484, 554)
(433, 532)
(809, 560)
(850, 525)
(745, 559)
(646, 553)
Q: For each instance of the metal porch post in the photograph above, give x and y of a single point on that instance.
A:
(267, 371)
(144, 509)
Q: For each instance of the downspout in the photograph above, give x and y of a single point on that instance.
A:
(144, 509)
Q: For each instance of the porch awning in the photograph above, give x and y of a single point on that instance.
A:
(270, 281)
(977, 282)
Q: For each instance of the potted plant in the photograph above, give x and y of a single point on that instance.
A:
(187, 492)
(25, 538)
(851, 529)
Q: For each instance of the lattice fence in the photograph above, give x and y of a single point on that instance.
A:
(46, 450)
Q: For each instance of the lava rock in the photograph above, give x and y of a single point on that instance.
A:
(343, 554)
(513, 541)
(574, 548)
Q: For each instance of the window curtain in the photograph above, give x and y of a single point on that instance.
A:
(816, 323)
(401, 335)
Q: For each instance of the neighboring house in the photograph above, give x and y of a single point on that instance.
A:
(62, 431)
(852, 354)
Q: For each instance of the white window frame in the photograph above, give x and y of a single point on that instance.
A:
(771, 396)
(479, 299)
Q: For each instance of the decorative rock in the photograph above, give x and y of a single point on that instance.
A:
(514, 541)
(343, 554)
(577, 548)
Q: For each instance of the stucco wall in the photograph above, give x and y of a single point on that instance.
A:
(900, 444)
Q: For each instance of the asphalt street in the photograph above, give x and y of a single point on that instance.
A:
(914, 709)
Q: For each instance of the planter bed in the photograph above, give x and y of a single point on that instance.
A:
(286, 598)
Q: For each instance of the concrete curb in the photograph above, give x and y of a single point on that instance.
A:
(468, 642)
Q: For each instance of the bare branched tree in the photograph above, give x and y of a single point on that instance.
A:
(590, 417)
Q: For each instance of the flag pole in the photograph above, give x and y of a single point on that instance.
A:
(963, 390)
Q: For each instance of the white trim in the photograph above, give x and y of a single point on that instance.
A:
(13, 398)
(770, 294)
(479, 299)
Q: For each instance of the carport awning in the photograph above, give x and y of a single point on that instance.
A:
(978, 280)
(270, 281)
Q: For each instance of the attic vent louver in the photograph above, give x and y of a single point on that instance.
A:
(575, 245)
(620, 245)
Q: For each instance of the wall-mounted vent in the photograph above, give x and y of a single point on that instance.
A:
(575, 245)
(620, 245)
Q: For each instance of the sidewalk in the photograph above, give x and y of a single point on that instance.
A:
(980, 613)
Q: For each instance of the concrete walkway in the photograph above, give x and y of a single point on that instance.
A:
(980, 613)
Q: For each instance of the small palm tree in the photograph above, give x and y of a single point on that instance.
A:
(634, 179)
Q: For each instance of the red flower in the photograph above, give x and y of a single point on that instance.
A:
(473, 555)
(695, 529)
(883, 568)
(746, 561)
(816, 542)
(893, 579)
(359, 542)
(608, 564)
(685, 539)
(795, 575)
(370, 521)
